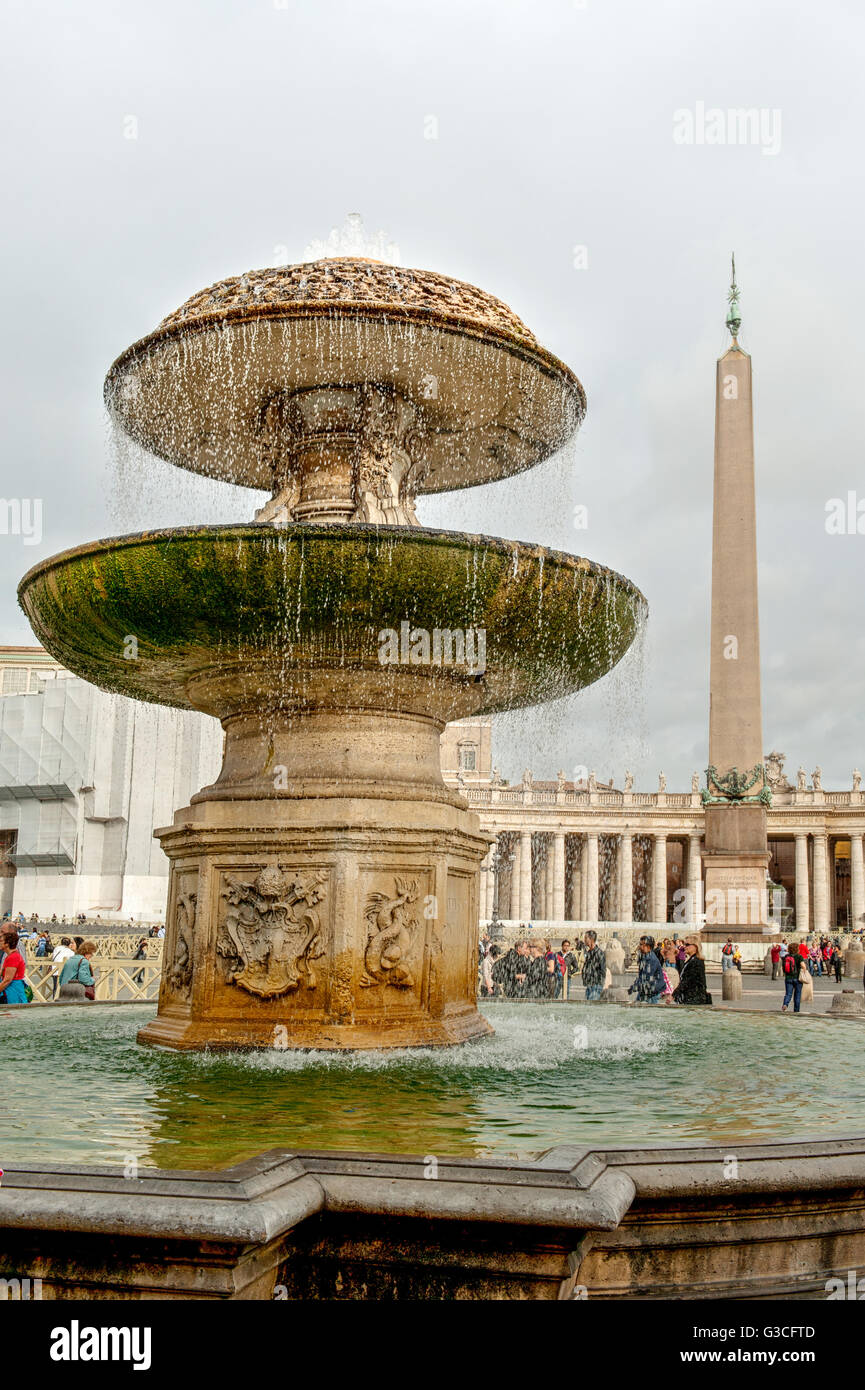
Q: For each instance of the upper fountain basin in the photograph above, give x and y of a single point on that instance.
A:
(226, 618)
(487, 400)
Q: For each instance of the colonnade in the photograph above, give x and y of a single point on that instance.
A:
(562, 876)
(623, 874)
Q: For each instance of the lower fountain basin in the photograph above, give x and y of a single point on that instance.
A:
(635, 1078)
(250, 616)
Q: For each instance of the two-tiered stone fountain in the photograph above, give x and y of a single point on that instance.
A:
(324, 890)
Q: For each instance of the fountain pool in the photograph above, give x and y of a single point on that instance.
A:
(83, 1092)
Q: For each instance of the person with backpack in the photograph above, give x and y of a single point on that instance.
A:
(13, 987)
(727, 951)
(793, 967)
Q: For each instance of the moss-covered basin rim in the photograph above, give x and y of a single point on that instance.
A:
(223, 598)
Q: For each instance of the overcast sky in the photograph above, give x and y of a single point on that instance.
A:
(259, 126)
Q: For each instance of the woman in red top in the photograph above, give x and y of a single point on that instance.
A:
(12, 972)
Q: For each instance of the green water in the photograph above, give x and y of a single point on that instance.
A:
(78, 1089)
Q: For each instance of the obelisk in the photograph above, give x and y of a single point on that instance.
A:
(736, 855)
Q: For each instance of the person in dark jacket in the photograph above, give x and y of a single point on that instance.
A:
(594, 966)
(649, 984)
(794, 964)
(691, 988)
(536, 973)
(511, 972)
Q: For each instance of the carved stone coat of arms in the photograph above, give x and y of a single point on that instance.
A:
(270, 930)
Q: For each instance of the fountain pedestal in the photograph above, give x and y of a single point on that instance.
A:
(323, 892)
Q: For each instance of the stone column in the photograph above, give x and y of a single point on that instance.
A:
(515, 845)
(802, 894)
(821, 882)
(494, 892)
(857, 880)
(659, 879)
(612, 859)
(626, 877)
(486, 887)
(831, 882)
(695, 877)
(592, 877)
(559, 876)
(525, 899)
(548, 878)
(584, 879)
(576, 879)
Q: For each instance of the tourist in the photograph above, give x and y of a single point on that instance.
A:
(61, 953)
(536, 972)
(807, 986)
(727, 954)
(784, 947)
(670, 967)
(488, 987)
(571, 964)
(77, 980)
(794, 965)
(838, 963)
(776, 960)
(141, 954)
(814, 965)
(649, 984)
(691, 988)
(483, 952)
(594, 967)
(554, 978)
(557, 968)
(13, 989)
(510, 972)
(737, 959)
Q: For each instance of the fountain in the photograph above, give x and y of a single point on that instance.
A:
(323, 891)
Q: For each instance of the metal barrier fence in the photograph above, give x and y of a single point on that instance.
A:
(116, 980)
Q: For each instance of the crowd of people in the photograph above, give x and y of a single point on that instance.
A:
(671, 971)
(34, 925)
(71, 972)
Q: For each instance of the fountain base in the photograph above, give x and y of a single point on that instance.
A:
(344, 920)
